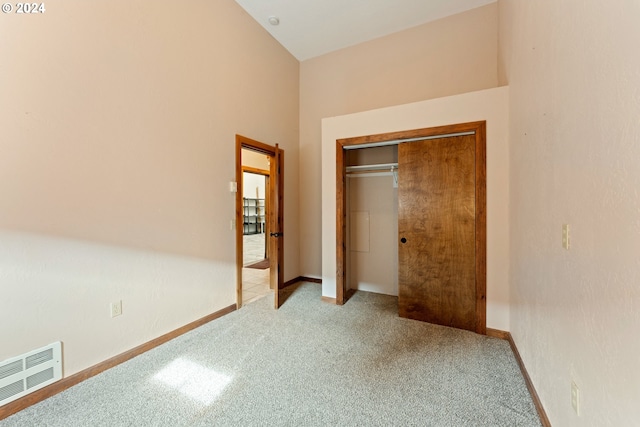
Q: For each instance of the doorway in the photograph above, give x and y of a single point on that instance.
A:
(416, 291)
(259, 220)
(255, 208)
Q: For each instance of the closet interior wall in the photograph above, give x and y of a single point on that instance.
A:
(372, 223)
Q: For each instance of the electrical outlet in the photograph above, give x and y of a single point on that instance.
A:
(116, 308)
(575, 398)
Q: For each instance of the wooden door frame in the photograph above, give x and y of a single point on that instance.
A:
(481, 205)
(268, 150)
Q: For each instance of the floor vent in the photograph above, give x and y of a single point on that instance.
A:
(24, 374)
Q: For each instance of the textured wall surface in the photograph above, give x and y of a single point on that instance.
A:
(376, 268)
(118, 123)
(449, 56)
(574, 75)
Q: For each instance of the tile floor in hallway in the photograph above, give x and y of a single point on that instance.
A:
(255, 282)
(253, 248)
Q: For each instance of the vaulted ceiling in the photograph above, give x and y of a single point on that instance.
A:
(309, 28)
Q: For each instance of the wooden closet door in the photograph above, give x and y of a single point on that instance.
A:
(436, 225)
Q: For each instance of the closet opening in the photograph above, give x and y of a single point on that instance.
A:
(411, 221)
(371, 195)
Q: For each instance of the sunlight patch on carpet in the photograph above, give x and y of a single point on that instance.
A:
(194, 380)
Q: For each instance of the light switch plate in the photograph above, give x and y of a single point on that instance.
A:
(566, 236)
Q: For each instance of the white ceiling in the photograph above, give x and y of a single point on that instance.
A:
(310, 28)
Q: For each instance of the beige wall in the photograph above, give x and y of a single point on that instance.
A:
(453, 55)
(118, 143)
(490, 105)
(253, 185)
(254, 159)
(573, 71)
(372, 223)
(372, 204)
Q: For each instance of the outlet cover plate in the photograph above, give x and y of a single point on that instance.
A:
(116, 308)
(575, 397)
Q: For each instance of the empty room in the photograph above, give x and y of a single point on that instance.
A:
(441, 226)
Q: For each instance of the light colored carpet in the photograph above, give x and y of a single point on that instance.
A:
(308, 364)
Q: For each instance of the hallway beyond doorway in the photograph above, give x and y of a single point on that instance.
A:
(255, 282)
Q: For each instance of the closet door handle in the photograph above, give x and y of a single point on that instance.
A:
(403, 240)
(275, 234)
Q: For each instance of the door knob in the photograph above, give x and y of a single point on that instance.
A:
(403, 240)
(275, 234)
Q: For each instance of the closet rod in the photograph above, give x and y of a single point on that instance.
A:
(400, 141)
(371, 174)
(381, 166)
(374, 170)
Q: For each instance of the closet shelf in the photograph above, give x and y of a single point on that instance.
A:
(382, 169)
(377, 167)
